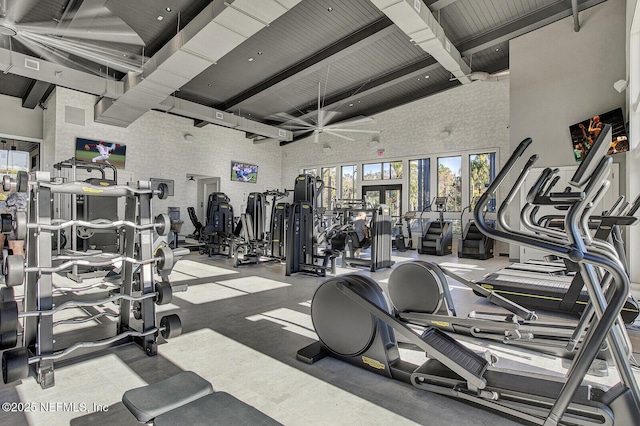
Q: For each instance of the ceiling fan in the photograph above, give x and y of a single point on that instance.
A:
(323, 123)
(83, 36)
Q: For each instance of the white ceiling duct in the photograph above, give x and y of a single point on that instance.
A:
(417, 21)
(217, 30)
(485, 76)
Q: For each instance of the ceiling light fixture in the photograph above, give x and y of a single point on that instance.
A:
(426, 76)
(250, 59)
(330, 9)
(160, 18)
(168, 9)
(350, 105)
(259, 52)
(497, 48)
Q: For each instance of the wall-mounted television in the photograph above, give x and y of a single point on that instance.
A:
(244, 172)
(101, 152)
(585, 133)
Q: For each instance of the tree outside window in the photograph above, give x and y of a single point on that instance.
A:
(450, 181)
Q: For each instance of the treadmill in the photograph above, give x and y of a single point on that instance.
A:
(557, 293)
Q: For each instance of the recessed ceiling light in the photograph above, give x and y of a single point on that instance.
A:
(330, 9)
(168, 9)
(497, 48)
(124, 54)
(250, 59)
(426, 76)
(350, 105)
(259, 52)
(160, 18)
(209, 84)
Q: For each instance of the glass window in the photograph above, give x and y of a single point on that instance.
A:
(392, 170)
(329, 193)
(450, 181)
(372, 171)
(419, 187)
(482, 171)
(312, 172)
(349, 181)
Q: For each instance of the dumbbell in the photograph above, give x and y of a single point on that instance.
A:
(11, 224)
(20, 183)
(9, 310)
(15, 362)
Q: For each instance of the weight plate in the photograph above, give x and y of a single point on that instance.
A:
(7, 223)
(8, 316)
(165, 263)
(6, 183)
(7, 294)
(84, 232)
(163, 224)
(20, 227)
(170, 326)
(165, 292)
(15, 365)
(8, 340)
(22, 182)
(15, 270)
(163, 191)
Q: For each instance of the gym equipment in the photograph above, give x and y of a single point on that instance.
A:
(302, 230)
(251, 247)
(473, 244)
(218, 232)
(436, 239)
(197, 234)
(16, 362)
(563, 293)
(138, 285)
(354, 324)
(419, 293)
(380, 235)
(187, 398)
(278, 223)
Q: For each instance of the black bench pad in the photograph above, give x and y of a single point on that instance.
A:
(218, 408)
(150, 401)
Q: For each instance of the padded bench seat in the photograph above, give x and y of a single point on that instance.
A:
(148, 402)
(188, 399)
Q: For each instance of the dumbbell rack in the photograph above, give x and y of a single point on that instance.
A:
(138, 284)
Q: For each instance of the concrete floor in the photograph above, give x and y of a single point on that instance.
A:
(241, 330)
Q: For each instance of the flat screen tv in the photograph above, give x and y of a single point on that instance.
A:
(244, 172)
(585, 133)
(101, 152)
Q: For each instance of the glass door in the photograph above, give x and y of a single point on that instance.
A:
(390, 195)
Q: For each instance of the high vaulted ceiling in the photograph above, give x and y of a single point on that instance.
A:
(260, 65)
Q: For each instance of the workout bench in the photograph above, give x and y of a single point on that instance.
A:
(188, 399)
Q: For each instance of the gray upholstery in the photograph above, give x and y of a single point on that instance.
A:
(219, 408)
(150, 401)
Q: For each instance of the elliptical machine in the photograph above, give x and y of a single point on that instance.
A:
(436, 239)
(356, 307)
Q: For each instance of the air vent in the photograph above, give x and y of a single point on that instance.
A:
(31, 64)
(73, 115)
(282, 133)
(219, 115)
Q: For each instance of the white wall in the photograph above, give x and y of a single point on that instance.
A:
(633, 98)
(156, 148)
(19, 122)
(560, 77)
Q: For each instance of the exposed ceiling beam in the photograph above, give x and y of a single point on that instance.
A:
(344, 47)
(436, 5)
(422, 27)
(35, 93)
(353, 94)
(521, 26)
(215, 31)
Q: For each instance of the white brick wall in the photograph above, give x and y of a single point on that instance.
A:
(156, 148)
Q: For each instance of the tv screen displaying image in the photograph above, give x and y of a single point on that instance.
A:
(101, 152)
(584, 134)
(244, 172)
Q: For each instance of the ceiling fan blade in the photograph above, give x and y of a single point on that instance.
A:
(331, 132)
(109, 29)
(285, 118)
(17, 9)
(373, 132)
(316, 136)
(297, 127)
(329, 116)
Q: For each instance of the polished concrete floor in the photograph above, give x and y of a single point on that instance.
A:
(241, 330)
